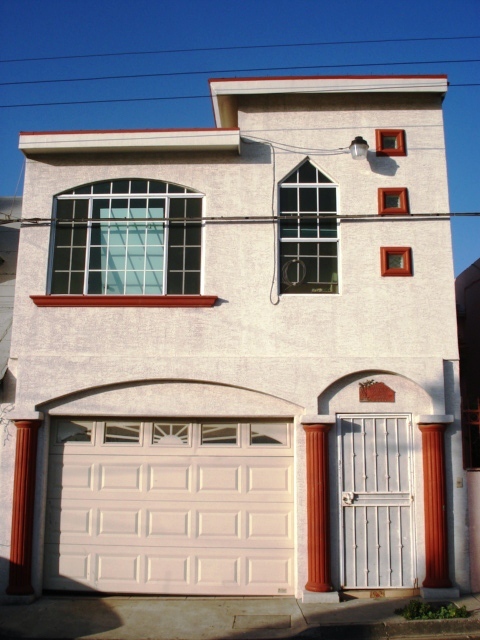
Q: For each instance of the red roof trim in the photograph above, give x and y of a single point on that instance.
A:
(60, 300)
(379, 77)
(108, 131)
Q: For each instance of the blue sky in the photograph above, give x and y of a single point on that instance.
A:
(52, 28)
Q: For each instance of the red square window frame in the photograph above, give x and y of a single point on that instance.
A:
(401, 192)
(405, 252)
(399, 134)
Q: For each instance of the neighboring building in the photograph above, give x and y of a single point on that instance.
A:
(467, 288)
(237, 349)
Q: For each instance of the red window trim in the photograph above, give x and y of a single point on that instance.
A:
(406, 252)
(401, 192)
(60, 300)
(401, 149)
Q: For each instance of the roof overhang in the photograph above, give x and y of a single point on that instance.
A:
(225, 91)
(138, 140)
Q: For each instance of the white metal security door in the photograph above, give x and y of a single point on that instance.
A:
(376, 501)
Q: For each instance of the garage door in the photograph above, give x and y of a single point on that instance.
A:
(171, 507)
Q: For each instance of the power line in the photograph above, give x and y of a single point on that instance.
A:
(239, 48)
(247, 70)
(197, 97)
(42, 222)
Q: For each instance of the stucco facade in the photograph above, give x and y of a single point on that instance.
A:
(259, 354)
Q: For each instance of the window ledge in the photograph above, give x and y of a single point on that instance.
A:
(59, 300)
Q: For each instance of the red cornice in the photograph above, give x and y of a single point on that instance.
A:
(107, 131)
(59, 300)
(379, 77)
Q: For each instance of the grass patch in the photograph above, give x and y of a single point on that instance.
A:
(416, 610)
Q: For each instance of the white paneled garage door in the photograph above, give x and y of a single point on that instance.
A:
(170, 507)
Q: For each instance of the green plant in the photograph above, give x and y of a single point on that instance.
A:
(416, 610)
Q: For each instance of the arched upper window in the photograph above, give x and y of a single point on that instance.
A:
(308, 232)
(125, 237)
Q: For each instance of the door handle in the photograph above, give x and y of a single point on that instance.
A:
(348, 497)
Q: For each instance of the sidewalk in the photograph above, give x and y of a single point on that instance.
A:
(196, 618)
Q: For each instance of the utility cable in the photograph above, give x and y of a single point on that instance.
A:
(198, 97)
(246, 70)
(239, 48)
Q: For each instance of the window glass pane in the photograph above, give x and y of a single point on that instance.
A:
(175, 188)
(176, 234)
(153, 283)
(120, 186)
(118, 234)
(219, 434)
(95, 261)
(310, 266)
(77, 281)
(116, 258)
(155, 234)
(60, 282)
(327, 200)
(119, 208)
(192, 283)
(138, 186)
(96, 282)
(193, 234)
(175, 282)
(194, 208)
(78, 259)
(328, 228)
(288, 200)
(83, 190)
(289, 228)
(328, 248)
(115, 282)
(171, 435)
(273, 433)
(392, 201)
(100, 209)
(80, 210)
(396, 261)
(157, 187)
(122, 432)
(156, 208)
(138, 208)
(308, 228)
(154, 258)
(307, 173)
(61, 261)
(192, 258)
(136, 259)
(63, 235)
(65, 209)
(134, 283)
(175, 258)
(293, 178)
(73, 431)
(389, 142)
(101, 187)
(308, 199)
(177, 208)
(80, 235)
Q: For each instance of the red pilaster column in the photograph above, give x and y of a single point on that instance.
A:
(436, 543)
(318, 514)
(23, 505)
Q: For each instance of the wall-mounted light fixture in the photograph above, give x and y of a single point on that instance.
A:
(358, 148)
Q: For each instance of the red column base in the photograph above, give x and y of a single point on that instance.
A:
(318, 587)
(432, 583)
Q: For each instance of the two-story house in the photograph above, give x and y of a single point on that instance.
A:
(235, 351)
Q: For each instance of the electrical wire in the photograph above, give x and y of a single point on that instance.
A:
(249, 219)
(239, 48)
(247, 70)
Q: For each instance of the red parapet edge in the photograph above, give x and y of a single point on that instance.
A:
(60, 300)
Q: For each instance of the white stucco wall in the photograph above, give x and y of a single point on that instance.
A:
(275, 354)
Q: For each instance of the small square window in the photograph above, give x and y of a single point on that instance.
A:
(390, 142)
(393, 201)
(396, 261)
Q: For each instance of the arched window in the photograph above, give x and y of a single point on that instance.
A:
(127, 237)
(308, 232)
